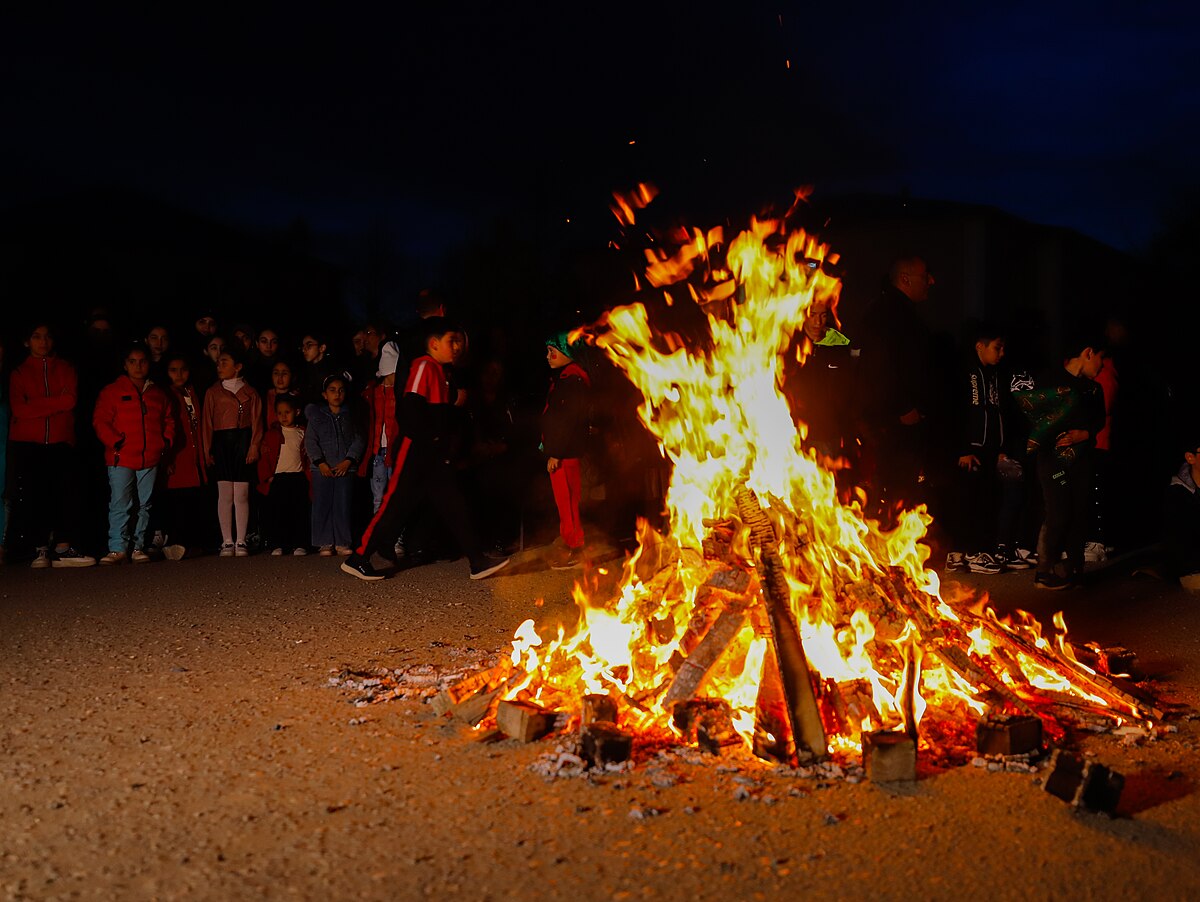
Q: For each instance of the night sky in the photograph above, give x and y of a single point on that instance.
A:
(437, 116)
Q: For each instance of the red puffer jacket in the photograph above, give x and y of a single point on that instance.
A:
(136, 427)
(43, 392)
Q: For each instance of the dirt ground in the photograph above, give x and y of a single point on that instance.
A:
(168, 732)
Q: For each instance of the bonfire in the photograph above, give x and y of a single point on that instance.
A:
(770, 611)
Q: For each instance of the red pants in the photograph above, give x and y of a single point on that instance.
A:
(566, 484)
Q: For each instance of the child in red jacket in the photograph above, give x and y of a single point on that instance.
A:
(187, 499)
(284, 479)
(134, 423)
(43, 472)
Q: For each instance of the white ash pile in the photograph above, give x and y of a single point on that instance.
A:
(412, 681)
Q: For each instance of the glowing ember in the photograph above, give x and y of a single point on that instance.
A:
(815, 627)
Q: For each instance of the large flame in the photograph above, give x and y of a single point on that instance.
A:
(715, 405)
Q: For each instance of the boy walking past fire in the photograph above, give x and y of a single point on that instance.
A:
(422, 469)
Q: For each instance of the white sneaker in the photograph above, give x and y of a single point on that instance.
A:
(954, 561)
(226, 550)
(113, 557)
(276, 552)
(300, 552)
(139, 557)
(326, 551)
(240, 550)
(42, 560)
(1095, 552)
(344, 550)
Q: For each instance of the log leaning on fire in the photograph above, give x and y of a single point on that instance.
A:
(803, 713)
(697, 665)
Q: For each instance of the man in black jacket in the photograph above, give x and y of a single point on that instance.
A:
(893, 385)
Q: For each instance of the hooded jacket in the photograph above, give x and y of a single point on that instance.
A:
(43, 392)
(135, 426)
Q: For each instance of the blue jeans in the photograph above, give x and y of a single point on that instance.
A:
(122, 485)
(331, 509)
(381, 474)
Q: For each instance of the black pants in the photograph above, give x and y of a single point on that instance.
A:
(43, 496)
(1066, 491)
(432, 486)
(287, 513)
(977, 502)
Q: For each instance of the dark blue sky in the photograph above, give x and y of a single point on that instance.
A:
(1082, 115)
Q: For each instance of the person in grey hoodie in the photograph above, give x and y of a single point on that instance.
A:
(335, 446)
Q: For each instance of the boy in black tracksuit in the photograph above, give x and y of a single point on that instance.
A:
(423, 469)
(1064, 466)
(982, 446)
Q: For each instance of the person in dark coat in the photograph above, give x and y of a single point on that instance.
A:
(565, 428)
(893, 385)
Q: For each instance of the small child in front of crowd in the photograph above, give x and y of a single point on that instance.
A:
(565, 426)
(186, 501)
(231, 434)
(282, 383)
(383, 429)
(335, 447)
(284, 480)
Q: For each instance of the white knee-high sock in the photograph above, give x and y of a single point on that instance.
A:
(241, 508)
(225, 510)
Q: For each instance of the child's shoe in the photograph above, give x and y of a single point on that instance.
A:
(139, 557)
(983, 563)
(69, 557)
(113, 557)
(276, 552)
(326, 551)
(359, 566)
(344, 550)
(42, 560)
(954, 561)
(240, 550)
(174, 552)
(484, 569)
(226, 550)
(568, 560)
(300, 552)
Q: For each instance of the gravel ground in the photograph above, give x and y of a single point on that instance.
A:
(169, 732)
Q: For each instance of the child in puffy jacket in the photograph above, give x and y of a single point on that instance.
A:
(43, 472)
(335, 448)
(134, 422)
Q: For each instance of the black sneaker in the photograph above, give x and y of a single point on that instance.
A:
(1052, 582)
(1012, 561)
(71, 558)
(486, 569)
(983, 563)
(359, 566)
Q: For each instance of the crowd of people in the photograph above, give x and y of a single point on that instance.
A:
(209, 439)
(207, 443)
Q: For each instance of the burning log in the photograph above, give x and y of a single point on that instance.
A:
(706, 722)
(524, 721)
(1005, 735)
(889, 757)
(597, 707)
(697, 665)
(604, 743)
(1092, 786)
(803, 713)
(471, 699)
